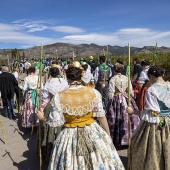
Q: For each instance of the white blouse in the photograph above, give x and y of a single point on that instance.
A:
(151, 105)
(30, 82)
(156, 91)
(53, 86)
(56, 117)
(143, 76)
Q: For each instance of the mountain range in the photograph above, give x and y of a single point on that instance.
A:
(64, 50)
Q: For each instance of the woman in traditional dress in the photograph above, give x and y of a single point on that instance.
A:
(82, 144)
(87, 78)
(117, 115)
(150, 146)
(136, 73)
(53, 85)
(31, 102)
(143, 84)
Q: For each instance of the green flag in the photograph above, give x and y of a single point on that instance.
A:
(128, 70)
(155, 54)
(37, 66)
(108, 58)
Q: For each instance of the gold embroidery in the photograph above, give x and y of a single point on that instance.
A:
(77, 101)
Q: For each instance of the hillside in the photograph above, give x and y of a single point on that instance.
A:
(64, 50)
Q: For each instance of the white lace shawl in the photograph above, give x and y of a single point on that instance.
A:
(56, 117)
(121, 83)
(156, 91)
(162, 92)
(53, 86)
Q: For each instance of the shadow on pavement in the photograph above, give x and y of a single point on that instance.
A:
(31, 155)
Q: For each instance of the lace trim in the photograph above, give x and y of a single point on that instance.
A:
(145, 116)
(99, 113)
(95, 105)
(55, 123)
(162, 92)
(121, 82)
(79, 110)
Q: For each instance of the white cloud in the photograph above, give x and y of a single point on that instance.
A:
(30, 21)
(14, 34)
(138, 37)
(9, 27)
(41, 25)
(67, 29)
(90, 38)
(39, 28)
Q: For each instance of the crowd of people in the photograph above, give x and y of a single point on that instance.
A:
(82, 109)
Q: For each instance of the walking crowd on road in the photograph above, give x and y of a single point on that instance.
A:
(86, 109)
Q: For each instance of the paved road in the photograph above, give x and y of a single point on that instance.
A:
(19, 153)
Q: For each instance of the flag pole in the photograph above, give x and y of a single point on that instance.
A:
(73, 55)
(39, 127)
(129, 123)
(2, 128)
(155, 54)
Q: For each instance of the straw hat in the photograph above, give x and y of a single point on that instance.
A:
(91, 57)
(76, 64)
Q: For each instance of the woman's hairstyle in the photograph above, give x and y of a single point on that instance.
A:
(54, 62)
(156, 71)
(74, 73)
(54, 72)
(84, 65)
(120, 61)
(15, 67)
(118, 68)
(137, 60)
(145, 63)
(102, 58)
(31, 70)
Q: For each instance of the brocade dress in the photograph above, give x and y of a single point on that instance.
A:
(117, 115)
(49, 134)
(150, 146)
(82, 144)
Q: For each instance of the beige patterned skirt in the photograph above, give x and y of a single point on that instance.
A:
(150, 147)
(87, 148)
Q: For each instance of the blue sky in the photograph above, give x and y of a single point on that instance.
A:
(24, 24)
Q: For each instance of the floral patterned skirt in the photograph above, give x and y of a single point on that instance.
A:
(29, 116)
(87, 148)
(117, 117)
(150, 147)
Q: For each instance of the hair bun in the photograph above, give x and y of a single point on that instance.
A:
(156, 71)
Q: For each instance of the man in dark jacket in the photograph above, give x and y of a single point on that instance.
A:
(137, 67)
(7, 85)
